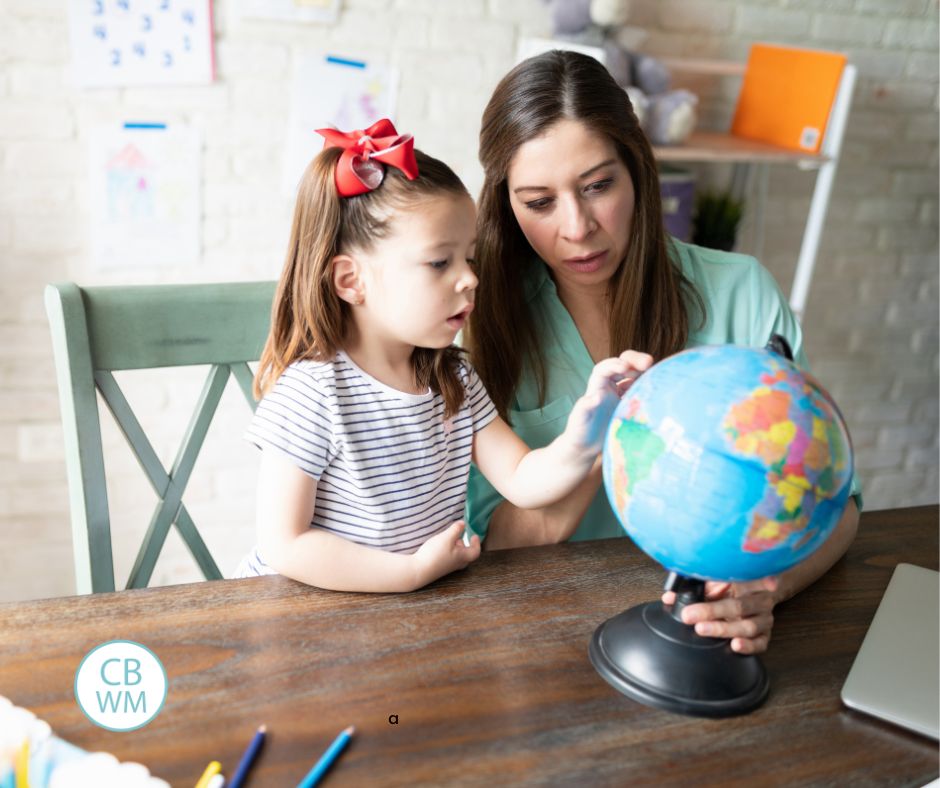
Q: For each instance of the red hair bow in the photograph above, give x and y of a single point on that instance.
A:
(359, 169)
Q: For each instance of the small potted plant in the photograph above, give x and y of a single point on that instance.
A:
(716, 219)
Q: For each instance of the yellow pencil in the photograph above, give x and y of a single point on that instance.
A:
(211, 771)
(21, 767)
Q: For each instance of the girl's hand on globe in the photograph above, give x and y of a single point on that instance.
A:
(609, 380)
(742, 612)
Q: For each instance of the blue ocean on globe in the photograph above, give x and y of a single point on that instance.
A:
(727, 463)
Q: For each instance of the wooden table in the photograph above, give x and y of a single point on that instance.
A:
(486, 670)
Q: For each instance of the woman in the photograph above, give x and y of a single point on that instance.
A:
(574, 266)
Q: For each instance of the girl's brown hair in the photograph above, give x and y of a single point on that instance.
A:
(646, 295)
(308, 318)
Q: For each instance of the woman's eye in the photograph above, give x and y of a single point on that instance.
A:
(538, 205)
(599, 186)
(471, 261)
(438, 265)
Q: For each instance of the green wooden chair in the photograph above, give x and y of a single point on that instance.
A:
(99, 330)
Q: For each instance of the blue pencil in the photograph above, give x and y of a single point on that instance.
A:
(244, 765)
(326, 760)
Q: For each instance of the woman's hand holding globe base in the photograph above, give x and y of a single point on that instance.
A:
(742, 612)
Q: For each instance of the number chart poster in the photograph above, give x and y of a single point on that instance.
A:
(145, 196)
(333, 91)
(141, 42)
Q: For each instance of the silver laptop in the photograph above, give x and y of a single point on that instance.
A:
(895, 675)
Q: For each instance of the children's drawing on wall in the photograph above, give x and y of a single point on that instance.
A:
(145, 196)
(333, 91)
(141, 42)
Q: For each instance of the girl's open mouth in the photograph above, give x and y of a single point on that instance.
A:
(457, 321)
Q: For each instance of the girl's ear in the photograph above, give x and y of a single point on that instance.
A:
(347, 279)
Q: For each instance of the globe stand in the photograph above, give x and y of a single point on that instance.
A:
(649, 655)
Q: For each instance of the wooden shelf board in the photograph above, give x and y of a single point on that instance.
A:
(711, 146)
(723, 68)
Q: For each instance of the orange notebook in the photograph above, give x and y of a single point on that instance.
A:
(786, 96)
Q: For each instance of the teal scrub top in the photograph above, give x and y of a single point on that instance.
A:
(744, 306)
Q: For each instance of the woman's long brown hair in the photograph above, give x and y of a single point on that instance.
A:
(308, 318)
(650, 299)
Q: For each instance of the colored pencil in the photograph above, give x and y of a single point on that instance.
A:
(326, 760)
(216, 782)
(22, 765)
(244, 765)
(211, 771)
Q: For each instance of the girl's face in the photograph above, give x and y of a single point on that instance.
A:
(573, 198)
(418, 284)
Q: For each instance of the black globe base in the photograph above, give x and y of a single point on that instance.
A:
(649, 655)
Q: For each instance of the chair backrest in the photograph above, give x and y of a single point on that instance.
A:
(99, 330)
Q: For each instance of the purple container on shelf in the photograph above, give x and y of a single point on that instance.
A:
(677, 191)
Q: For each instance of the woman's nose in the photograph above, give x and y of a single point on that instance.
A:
(576, 221)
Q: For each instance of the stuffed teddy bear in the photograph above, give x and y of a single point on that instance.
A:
(610, 13)
(570, 17)
(667, 116)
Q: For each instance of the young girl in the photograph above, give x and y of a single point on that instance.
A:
(370, 416)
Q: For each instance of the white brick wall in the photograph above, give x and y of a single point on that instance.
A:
(871, 322)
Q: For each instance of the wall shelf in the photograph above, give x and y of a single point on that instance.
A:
(715, 146)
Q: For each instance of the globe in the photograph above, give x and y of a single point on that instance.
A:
(727, 463)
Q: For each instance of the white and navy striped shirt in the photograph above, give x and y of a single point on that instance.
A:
(390, 471)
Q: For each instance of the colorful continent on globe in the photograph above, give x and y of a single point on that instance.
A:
(783, 423)
(631, 467)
